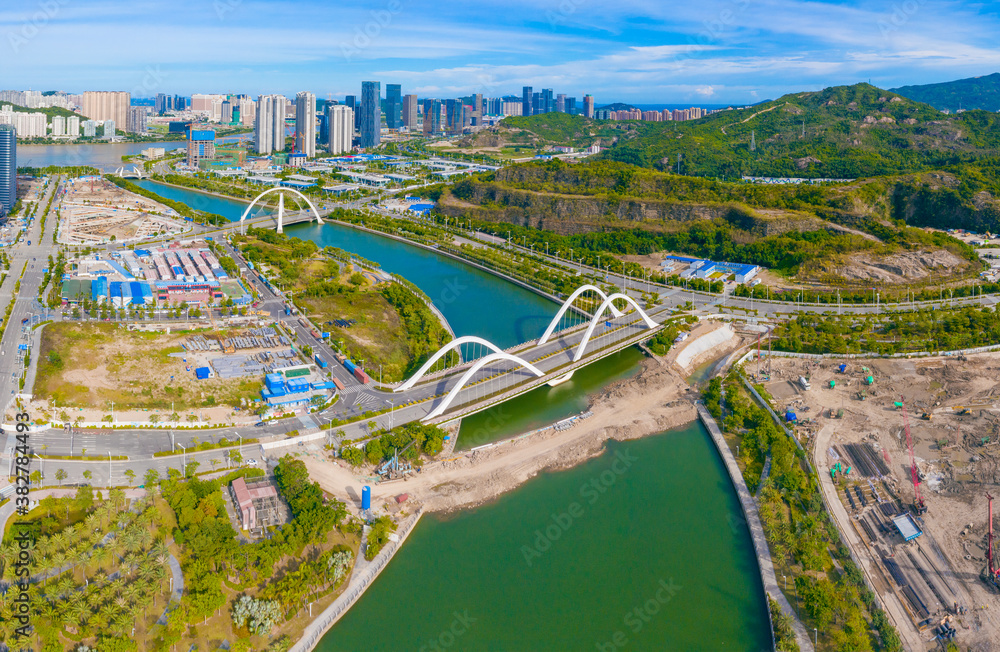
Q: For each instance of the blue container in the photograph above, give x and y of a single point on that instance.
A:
(790, 416)
(843, 368)
(321, 362)
(350, 366)
(366, 497)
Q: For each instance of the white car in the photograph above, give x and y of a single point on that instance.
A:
(252, 462)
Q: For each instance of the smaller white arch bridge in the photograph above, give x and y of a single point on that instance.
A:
(568, 303)
(450, 346)
(600, 314)
(281, 206)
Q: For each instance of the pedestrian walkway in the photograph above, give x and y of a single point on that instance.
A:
(767, 574)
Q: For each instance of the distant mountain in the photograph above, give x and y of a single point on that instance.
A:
(973, 93)
(617, 106)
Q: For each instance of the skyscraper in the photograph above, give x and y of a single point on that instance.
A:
(89, 128)
(352, 101)
(526, 101)
(410, 112)
(280, 104)
(546, 102)
(340, 124)
(227, 112)
(8, 168)
(432, 117)
(73, 126)
(263, 139)
(561, 103)
(588, 106)
(107, 105)
(136, 120)
(371, 114)
(305, 123)
(393, 106)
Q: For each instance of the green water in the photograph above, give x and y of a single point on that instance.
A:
(546, 405)
(231, 209)
(671, 517)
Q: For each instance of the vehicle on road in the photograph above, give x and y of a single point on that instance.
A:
(259, 424)
(252, 462)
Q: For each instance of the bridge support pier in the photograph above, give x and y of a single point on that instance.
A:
(281, 211)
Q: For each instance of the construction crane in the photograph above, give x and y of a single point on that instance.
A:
(914, 474)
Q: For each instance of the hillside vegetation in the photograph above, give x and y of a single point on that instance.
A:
(972, 93)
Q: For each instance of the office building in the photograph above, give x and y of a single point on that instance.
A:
(107, 105)
(161, 103)
(201, 145)
(546, 101)
(570, 106)
(410, 112)
(227, 112)
(352, 101)
(181, 103)
(58, 126)
(588, 106)
(136, 120)
(110, 129)
(371, 114)
(561, 103)
(432, 117)
(340, 125)
(393, 106)
(73, 126)
(89, 128)
(305, 124)
(526, 100)
(8, 168)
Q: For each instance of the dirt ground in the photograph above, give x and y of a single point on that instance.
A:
(83, 367)
(656, 399)
(957, 466)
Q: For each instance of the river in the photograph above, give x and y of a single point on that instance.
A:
(670, 519)
(671, 516)
(104, 156)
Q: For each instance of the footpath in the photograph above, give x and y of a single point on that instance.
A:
(764, 563)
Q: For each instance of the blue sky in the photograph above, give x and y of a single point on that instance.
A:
(642, 51)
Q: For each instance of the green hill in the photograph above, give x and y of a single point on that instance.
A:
(972, 93)
(50, 111)
(840, 132)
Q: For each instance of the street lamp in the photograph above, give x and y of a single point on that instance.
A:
(391, 408)
(183, 457)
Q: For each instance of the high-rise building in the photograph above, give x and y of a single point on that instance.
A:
(570, 105)
(181, 103)
(512, 108)
(546, 102)
(201, 145)
(588, 106)
(305, 123)
(371, 114)
(8, 168)
(393, 106)
(410, 112)
(227, 112)
(432, 117)
(136, 120)
(340, 124)
(278, 130)
(107, 105)
(561, 103)
(58, 125)
(110, 131)
(352, 101)
(73, 126)
(526, 102)
(89, 128)
(263, 139)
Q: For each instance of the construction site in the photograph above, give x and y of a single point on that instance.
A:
(906, 451)
(96, 211)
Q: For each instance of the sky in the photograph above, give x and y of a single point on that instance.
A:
(638, 51)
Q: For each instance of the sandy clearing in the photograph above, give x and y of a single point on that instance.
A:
(656, 400)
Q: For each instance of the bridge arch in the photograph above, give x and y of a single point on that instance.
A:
(467, 339)
(493, 357)
(600, 313)
(567, 303)
(281, 205)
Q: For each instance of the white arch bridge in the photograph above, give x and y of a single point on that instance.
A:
(281, 206)
(499, 371)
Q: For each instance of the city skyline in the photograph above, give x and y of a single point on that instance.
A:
(735, 51)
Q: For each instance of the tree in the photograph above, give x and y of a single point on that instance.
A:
(190, 469)
(87, 474)
(35, 477)
(130, 474)
(60, 475)
(151, 478)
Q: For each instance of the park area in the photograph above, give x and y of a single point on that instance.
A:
(388, 325)
(84, 367)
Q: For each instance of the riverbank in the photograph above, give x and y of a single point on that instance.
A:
(656, 400)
